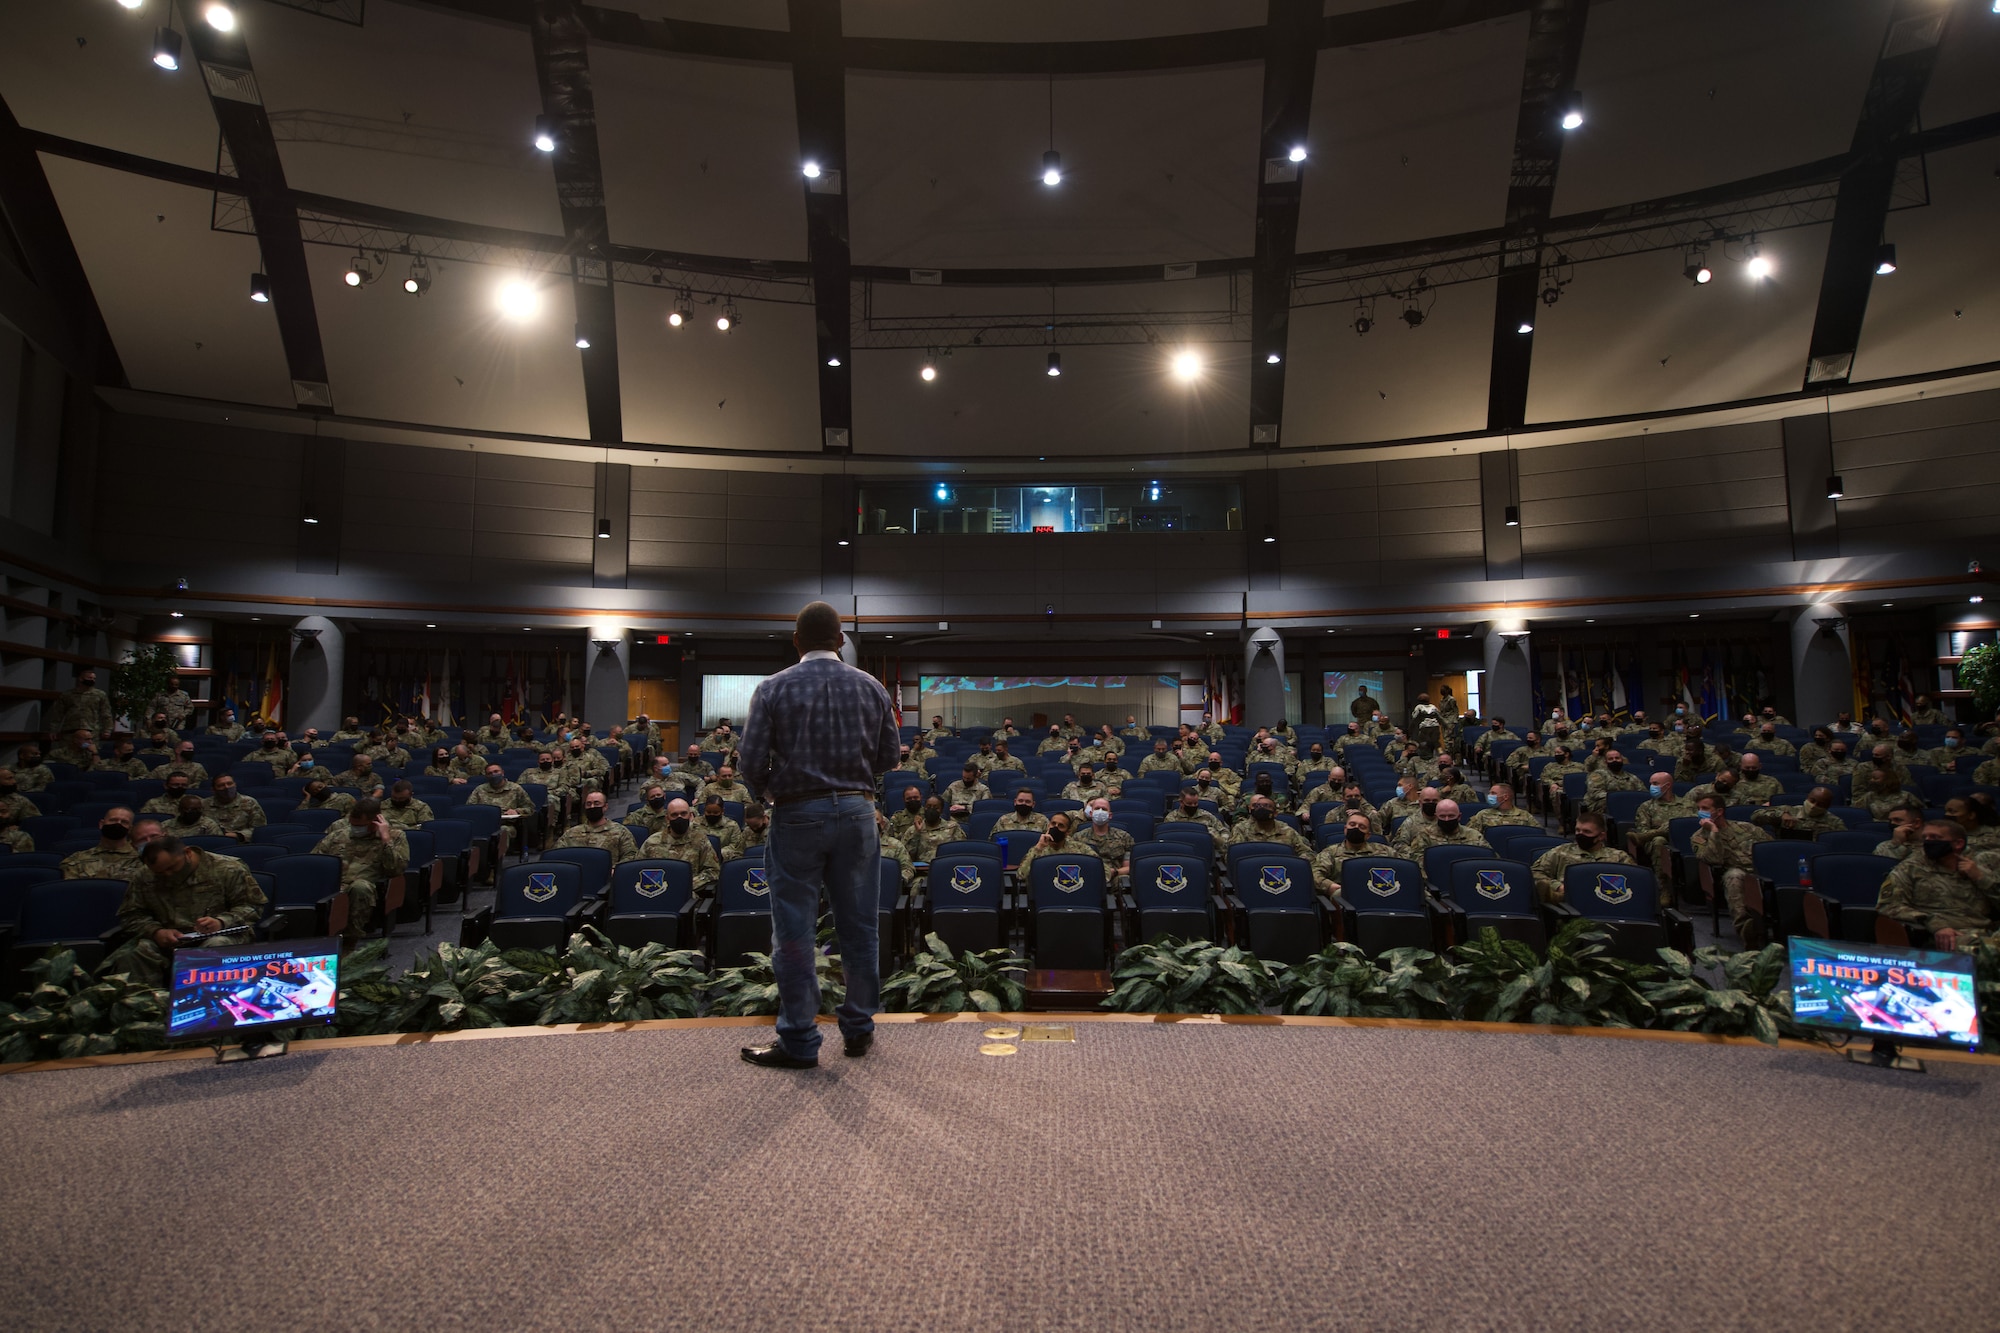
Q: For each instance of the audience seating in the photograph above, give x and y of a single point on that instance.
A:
(535, 906)
(1170, 896)
(1068, 926)
(1625, 901)
(964, 900)
(1841, 902)
(1279, 910)
(1484, 892)
(1381, 904)
(304, 893)
(77, 914)
(651, 902)
(740, 923)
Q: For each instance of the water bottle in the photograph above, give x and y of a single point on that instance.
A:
(1805, 872)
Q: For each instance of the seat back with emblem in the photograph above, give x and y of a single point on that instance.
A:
(1438, 861)
(1280, 908)
(963, 896)
(1196, 837)
(1491, 892)
(533, 904)
(1382, 904)
(651, 902)
(1171, 890)
(742, 913)
(594, 863)
(1068, 916)
(1607, 892)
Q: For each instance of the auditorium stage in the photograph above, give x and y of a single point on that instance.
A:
(1191, 1175)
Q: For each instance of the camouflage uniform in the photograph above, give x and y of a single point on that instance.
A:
(214, 886)
(366, 783)
(1013, 821)
(1988, 773)
(692, 847)
(1552, 777)
(1897, 851)
(1806, 816)
(1223, 796)
(1112, 777)
(1924, 894)
(200, 827)
(1493, 815)
(1394, 808)
(328, 800)
(73, 755)
(508, 796)
(1159, 763)
(613, 838)
(903, 822)
(1294, 842)
(406, 816)
(693, 773)
(366, 864)
(16, 840)
(1550, 866)
(1113, 845)
(1212, 733)
(104, 861)
(1053, 745)
(732, 791)
(1077, 791)
(176, 704)
(349, 735)
(1327, 864)
(1487, 737)
(130, 766)
(1759, 790)
(1603, 783)
(166, 805)
(1217, 830)
(196, 775)
(1649, 830)
(232, 731)
(893, 849)
(1773, 745)
(747, 840)
(278, 757)
(923, 840)
(960, 794)
(1463, 794)
(1431, 835)
(1726, 852)
(647, 818)
(18, 807)
(78, 707)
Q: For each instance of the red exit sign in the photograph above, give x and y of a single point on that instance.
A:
(663, 638)
(1444, 634)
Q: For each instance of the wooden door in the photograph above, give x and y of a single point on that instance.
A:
(659, 700)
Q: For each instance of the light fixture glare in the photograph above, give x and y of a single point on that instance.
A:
(219, 16)
(166, 48)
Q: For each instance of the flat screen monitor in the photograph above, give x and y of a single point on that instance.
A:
(223, 992)
(1882, 990)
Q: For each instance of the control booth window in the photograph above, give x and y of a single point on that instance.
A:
(956, 508)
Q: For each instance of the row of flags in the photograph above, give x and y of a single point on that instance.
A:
(1222, 693)
(413, 685)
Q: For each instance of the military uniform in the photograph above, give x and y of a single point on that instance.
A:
(1603, 783)
(1725, 850)
(508, 796)
(214, 886)
(647, 818)
(18, 807)
(613, 838)
(1217, 830)
(923, 840)
(278, 757)
(1410, 828)
(1879, 804)
(1925, 894)
(958, 793)
(1159, 763)
(176, 704)
(201, 826)
(1830, 771)
(73, 755)
(228, 730)
(1112, 845)
(406, 816)
(723, 830)
(82, 706)
(166, 805)
(130, 766)
(1340, 812)
(747, 840)
(1112, 778)
(1136, 732)
(1079, 791)
(1552, 776)
(1550, 866)
(365, 783)
(1013, 822)
(1056, 744)
(693, 773)
(1808, 817)
(1649, 831)
(1431, 835)
(366, 864)
(1327, 864)
(1897, 851)
(1490, 735)
(15, 840)
(692, 847)
(196, 775)
(893, 848)
(327, 800)
(1212, 733)
(104, 861)
(395, 756)
(1463, 794)
(354, 736)
(1988, 773)
(1223, 795)
(1493, 815)
(1396, 807)
(721, 791)
(1294, 842)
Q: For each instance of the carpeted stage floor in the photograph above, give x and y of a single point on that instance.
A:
(1150, 1176)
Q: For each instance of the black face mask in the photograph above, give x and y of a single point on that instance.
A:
(1024, 810)
(932, 817)
(1725, 786)
(1587, 841)
(1354, 803)
(1356, 837)
(1191, 810)
(1264, 785)
(1057, 833)
(1617, 766)
(1428, 807)
(593, 813)
(548, 766)
(192, 818)
(114, 832)
(679, 824)
(1448, 826)
(1263, 816)
(1936, 849)
(1203, 784)
(713, 821)
(400, 802)
(657, 803)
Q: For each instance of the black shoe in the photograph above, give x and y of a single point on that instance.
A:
(774, 1057)
(856, 1047)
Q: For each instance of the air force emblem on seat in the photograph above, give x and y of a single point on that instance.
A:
(754, 882)
(1171, 879)
(540, 887)
(1491, 884)
(965, 878)
(651, 883)
(1382, 880)
(1069, 878)
(1274, 879)
(1613, 889)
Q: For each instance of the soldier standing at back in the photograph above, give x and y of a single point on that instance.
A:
(174, 703)
(83, 705)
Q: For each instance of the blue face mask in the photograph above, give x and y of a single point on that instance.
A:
(1951, 742)
(1491, 799)
(1654, 788)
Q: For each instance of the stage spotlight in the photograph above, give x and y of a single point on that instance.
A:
(1834, 490)
(1697, 270)
(726, 320)
(1362, 324)
(1885, 260)
(1271, 358)
(1187, 364)
(682, 312)
(545, 134)
(359, 271)
(1526, 327)
(582, 339)
(811, 170)
(1571, 107)
(1513, 516)
(130, 4)
(518, 299)
(1412, 316)
(260, 289)
(1052, 168)
(1055, 364)
(1298, 153)
(927, 374)
(1759, 268)
(166, 48)
(419, 280)
(220, 16)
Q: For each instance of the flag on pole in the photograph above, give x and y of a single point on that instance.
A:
(1618, 698)
(444, 713)
(272, 705)
(896, 695)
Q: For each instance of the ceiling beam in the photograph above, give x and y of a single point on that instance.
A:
(223, 61)
(819, 87)
(1291, 56)
(49, 297)
(562, 69)
(1555, 40)
(1895, 91)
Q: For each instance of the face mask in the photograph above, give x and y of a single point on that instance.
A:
(679, 824)
(114, 832)
(1057, 833)
(713, 821)
(1100, 817)
(1616, 766)
(593, 813)
(226, 795)
(932, 817)
(400, 802)
(1447, 826)
(1263, 816)
(1705, 815)
(495, 781)
(548, 766)
(1024, 810)
(1428, 807)
(1586, 841)
(1264, 785)
(1190, 810)
(1679, 729)
(194, 818)
(1357, 836)
(1840, 756)
(1951, 742)
(1202, 784)
(1725, 786)
(1936, 849)
(1492, 800)
(1354, 803)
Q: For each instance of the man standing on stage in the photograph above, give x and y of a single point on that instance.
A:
(818, 736)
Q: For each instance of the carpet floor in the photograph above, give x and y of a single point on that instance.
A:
(1149, 1176)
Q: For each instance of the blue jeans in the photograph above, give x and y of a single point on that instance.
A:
(828, 843)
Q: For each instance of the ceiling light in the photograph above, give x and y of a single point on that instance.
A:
(1362, 324)
(1412, 316)
(166, 48)
(430, 626)
(519, 301)
(1694, 615)
(682, 312)
(1759, 268)
(1270, 534)
(359, 270)
(260, 288)
(811, 169)
(419, 280)
(1885, 260)
(1187, 364)
(1513, 516)
(943, 492)
(220, 17)
(1976, 598)
(843, 540)
(130, 4)
(1834, 490)
(603, 527)
(177, 615)
(545, 134)
(1697, 270)
(833, 361)
(1055, 364)
(582, 339)
(726, 320)
(309, 517)
(1526, 327)
(1052, 168)
(1571, 110)
(929, 372)
(1298, 153)
(1270, 358)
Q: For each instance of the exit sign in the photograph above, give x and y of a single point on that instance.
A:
(663, 638)
(1444, 634)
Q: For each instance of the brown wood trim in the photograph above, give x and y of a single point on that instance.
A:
(1085, 1016)
(23, 692)
(28, 608)
(8, 649)
(50, 572)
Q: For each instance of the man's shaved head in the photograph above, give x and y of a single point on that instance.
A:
(818, 627)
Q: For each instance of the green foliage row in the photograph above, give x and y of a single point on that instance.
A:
(1979, 671)
(1577, 982)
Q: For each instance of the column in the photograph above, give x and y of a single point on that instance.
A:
(1263, 678)
(1822, 671)
(1509, 691)
(607, 676)
(319, 665)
